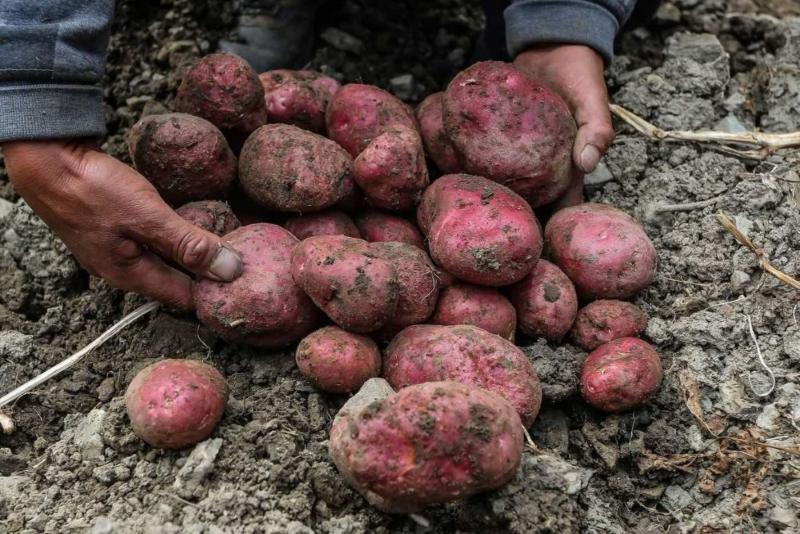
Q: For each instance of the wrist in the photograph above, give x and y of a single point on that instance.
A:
(53, 159)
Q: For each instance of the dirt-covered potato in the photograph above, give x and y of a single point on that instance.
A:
(298, 97)
(338, 361)
(438, 145)
(602, 321)
(376, 226)
(484, 307)
(214, 216)
(330, 222)
(545, 301)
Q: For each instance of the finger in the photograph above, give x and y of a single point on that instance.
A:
(595, 132)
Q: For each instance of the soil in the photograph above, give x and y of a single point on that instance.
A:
(712, 452)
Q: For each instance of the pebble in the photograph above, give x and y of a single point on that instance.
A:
(342, 40)
(402, 86)
(372, 390)
(106, 389)
(189, 480)
(599, 175)
(87, 435)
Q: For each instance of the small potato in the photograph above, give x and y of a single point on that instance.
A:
(545, 301)
(185, 157)
(603, 250)
(348, 280)
(214, 216)
(391, 170)
(465, 354)
(263, 307)
(478, 230)
(173, 404)
(337, 361)
(359, 113)
(331, 222)
(511, 129)
(287, 169)
(298, 97)
(427, 444)
(602, 321)
(438, 145)
(376, 226)
(483, 307)
(620, 375)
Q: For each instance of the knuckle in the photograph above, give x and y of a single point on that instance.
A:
(193, 251)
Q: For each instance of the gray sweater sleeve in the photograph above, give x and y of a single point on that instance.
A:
(593, 23)
(52, 56)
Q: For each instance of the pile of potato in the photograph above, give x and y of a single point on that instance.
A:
(351, 248)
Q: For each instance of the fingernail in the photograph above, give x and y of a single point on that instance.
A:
(226, 265)
(590, 157)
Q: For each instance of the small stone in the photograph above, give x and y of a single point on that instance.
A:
(668, 13)
(456, 57)
(373, 390)
(87, 435)
(599, 175)
(189, 480)
(342, 40)
(106, 389)
(768, 418)
(402, 86)
(15, 345)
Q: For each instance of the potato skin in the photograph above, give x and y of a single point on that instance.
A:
(223, 89)
(359, 113)
(545, 301)
(348, 280)
(602, 321)
(174, 403)
(391, 170)
(336, 360)
(510, 128)
(298, 97)
(465, 354)
(483, 307)
(263, 307)
(285, 168)
(377, 226)
(185, 157)
(214, 216)
(431, 127)
(602, 250)
(331, 222)
(428, 444)
(620, 375)
(478, 230)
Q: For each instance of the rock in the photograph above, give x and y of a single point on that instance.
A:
(87, 436)
(15, 345)
(106, 389)
(730, 124)
(342, 40)
(768, 418)
(189, 480)
(402, 86)
(373, 389)
(667, 13)
(599, 175)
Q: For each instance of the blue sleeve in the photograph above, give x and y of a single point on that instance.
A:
(52, 57)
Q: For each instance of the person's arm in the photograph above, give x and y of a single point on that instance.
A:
(52, 54)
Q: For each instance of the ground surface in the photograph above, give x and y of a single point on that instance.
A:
(694, 460)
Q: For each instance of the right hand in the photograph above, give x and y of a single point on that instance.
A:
(114, 221)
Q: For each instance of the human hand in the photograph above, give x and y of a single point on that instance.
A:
(114, 221)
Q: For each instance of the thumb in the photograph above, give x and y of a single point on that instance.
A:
(595, 132)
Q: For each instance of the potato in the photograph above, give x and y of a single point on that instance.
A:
(602, 321)
(483, 307)
(263, 307)
(465, 354)
(298, 97)
(512, 129)
(173, 404)
(604, 251)
(376, 226)
(212, 215)
(359, 113)
(185, 158)
(391, 170)
(331, 222)
(545, 301)
(348, 280)
(479, 231)
(620, 375)
(287, 169)
(223, 89)
(438, 145)
(428, 444)
(336, 360)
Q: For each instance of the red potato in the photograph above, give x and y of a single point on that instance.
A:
(287, 169)
(185, 157)
(427, 444)
(331, 222)
(512, 129)
(298, 97)
(376, 226)
(620, 375)
(263, 307)
(438, 145)
(483, 307)
(336, 360)
(391, 170)
(359, 113)
(478, 230)
(465, 354)
(173, 404)
(214, 216)
(348, 280)
(602, 321)
(223, 89)
(545, 301)
(603, 250)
